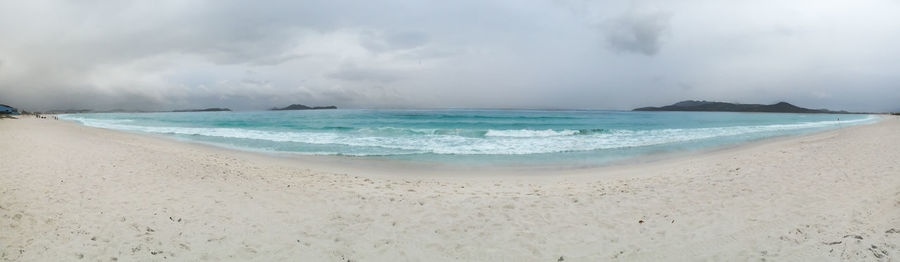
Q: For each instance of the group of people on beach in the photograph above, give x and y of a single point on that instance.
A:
(45, 117)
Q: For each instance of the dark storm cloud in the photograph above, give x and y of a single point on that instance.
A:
(175, 54)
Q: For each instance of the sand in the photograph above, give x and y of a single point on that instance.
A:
(70, 192)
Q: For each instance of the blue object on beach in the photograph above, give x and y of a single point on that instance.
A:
(5, 109)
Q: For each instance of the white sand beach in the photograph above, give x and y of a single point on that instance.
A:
(70, 192)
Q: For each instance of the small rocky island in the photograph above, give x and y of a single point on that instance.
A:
(303, 107)
(709, 106)
(214, 109)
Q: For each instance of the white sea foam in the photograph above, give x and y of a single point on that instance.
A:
(529, 133)
(496, 142)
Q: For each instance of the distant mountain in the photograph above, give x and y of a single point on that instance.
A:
(69, 111)
(303, 107)
(204, 110)
(125, 111)
(709, 106)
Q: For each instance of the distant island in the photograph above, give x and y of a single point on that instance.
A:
(303, 107)
(214, 109)
(709, 106)
(69, 111)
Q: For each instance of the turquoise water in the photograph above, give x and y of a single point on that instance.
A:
(471, 136)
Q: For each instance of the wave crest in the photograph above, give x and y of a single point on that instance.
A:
(446, 141)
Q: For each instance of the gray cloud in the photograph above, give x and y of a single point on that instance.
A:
(640, 33)
(350, 72)
(173, 54)
(392, 41)
(276, 60)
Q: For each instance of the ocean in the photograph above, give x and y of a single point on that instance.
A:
(472, 137)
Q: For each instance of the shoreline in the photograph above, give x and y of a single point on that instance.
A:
(73, 192)
(383, 165)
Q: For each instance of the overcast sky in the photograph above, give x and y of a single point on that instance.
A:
(250, 55)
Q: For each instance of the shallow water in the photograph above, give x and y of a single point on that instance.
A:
(471, 136)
